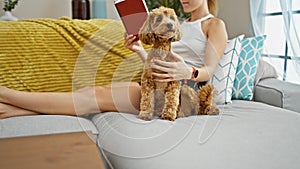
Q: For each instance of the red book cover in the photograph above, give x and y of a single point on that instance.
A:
(133, 14)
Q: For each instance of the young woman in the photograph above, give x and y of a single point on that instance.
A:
(201, 48)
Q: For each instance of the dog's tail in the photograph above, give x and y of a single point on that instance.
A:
(189, 101)
(207, 106)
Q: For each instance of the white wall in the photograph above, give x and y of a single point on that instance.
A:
(27, 9)
(235, 13)
(111, 10)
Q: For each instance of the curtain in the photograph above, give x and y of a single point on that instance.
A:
(292, 30)
(257, 10)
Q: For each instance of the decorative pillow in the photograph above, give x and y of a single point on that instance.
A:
(224, 75)
(247, 67)
(264, 70)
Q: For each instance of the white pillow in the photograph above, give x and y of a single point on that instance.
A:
(224, 75)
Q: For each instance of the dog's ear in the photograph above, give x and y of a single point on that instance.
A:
(146, 34)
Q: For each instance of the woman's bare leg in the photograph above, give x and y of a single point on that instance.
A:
(122, 97)
(44, 102)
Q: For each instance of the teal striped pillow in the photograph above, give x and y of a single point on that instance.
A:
(247, 66)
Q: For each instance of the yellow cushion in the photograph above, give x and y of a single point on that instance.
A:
(63, 54)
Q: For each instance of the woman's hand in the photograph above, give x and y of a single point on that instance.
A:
(131, 44)
(135, 46)
(177, 70)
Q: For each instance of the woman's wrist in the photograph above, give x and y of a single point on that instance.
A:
(194, 73)
(142, 53)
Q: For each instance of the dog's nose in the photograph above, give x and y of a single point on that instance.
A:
(170, 25)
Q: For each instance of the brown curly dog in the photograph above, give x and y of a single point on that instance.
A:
(159, 30)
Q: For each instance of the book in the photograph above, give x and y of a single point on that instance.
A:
(133, 14)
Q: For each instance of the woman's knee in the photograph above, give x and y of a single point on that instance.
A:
(122, 97)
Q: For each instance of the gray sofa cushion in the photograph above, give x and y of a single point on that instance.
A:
(278, 93)
(245, 135)
(44, 124)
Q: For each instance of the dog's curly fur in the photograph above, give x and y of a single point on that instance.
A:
(169, 99)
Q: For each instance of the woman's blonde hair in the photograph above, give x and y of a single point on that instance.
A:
(213, 7)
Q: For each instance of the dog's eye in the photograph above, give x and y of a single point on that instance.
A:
(159, 19)
(173, 18)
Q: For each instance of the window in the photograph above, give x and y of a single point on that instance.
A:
(277, 47)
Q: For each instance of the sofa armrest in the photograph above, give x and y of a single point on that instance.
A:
(278, 93)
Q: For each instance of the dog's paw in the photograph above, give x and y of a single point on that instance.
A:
(213, 110)
(168, 116)
(144, 115)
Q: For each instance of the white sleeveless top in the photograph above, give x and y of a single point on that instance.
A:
(192, 45)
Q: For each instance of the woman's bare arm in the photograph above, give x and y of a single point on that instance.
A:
(216, 44)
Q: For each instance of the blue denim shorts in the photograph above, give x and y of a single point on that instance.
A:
(193, 84)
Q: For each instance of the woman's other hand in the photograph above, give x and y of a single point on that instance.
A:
(177, 70)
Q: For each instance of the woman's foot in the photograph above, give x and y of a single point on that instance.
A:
(7, 111)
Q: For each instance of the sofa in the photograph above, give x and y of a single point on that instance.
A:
(45, 55)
